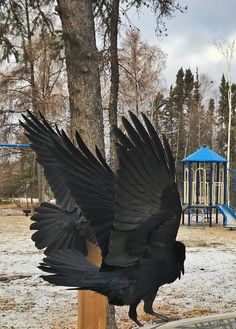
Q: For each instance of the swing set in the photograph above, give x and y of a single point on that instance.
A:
(205, 187)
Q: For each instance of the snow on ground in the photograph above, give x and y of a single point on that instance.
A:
(26, 301)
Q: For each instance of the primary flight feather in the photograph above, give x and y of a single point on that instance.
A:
(132, 215)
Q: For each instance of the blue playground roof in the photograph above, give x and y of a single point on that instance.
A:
(204, 154)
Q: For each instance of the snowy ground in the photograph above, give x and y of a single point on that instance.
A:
(26, 301)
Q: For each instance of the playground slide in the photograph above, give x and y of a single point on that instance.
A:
(228, 214)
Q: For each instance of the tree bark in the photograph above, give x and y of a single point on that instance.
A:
(82, 70)
(87, 117)
(114, 87)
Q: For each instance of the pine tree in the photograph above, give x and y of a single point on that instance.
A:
(190, 112)
(169, 120)
(223, 110)
(233, 128)
(188, 88)
(209, 124)
(196, 91)
(178, 103)
(198, 109)
(222, 123)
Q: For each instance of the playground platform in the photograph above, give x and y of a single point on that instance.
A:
(217, 321)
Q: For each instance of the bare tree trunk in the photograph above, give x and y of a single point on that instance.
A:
(41, 184)
(114, 80)
(82, 70)
(87, 117)
(34, 96)
(227, 50)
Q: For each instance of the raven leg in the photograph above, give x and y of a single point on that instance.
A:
(148, 301)
(133, 313)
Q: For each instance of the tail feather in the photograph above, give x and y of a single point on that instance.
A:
(59, 229)
(71, 269)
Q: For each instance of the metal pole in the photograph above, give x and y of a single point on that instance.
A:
(210, 187)
(225, 183)
(217, 189)
(183, 196)
(189, 192)
(197, 189)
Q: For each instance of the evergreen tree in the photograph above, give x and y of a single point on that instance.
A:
(199, 111)
(190, 112)
(233, 128)
(169, 120)
(188, 88)
(223, 109)
(208, 124)
(196, 91)
(222, 122)
(178, 103)
(223, 106)
(211, 106)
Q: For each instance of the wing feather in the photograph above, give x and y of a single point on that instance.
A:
(61, 225)
(147, 200)
(91, 183)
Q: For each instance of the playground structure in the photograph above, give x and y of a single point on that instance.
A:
(204, 188)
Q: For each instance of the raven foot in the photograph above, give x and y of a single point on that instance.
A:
(137, 322)
(133, 313)
(161, 316)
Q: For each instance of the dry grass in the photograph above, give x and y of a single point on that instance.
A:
(206, 236)
(198, 311)
(62, 326)
(9, 278)
(8, 206)
(6, 304)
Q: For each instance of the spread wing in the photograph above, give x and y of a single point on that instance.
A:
(91, 183)
(41, 135)
(62, 225)
(148, 207)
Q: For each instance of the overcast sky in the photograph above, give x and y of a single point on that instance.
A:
(191, 35)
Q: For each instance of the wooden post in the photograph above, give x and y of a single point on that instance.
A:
(92, 306)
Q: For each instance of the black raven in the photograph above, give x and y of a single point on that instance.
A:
(133, 215)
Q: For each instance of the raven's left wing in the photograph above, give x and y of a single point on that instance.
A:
(147, 200)
(42, 137)
(91, 183)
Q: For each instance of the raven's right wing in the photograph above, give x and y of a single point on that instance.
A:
(148, 207)
(62, 225)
